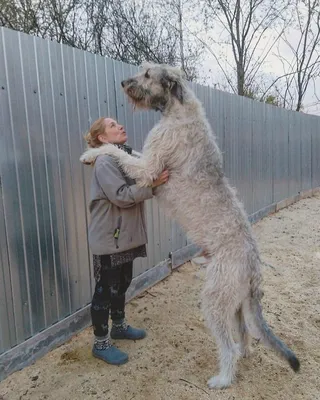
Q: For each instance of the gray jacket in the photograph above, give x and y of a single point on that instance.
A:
(116, 208)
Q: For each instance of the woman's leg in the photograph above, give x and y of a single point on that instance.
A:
(120, 330)
(100, 306)
(118, 291)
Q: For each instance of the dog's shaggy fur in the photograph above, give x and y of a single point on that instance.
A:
(199, 197)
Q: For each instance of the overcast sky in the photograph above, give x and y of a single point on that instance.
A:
(272, 67)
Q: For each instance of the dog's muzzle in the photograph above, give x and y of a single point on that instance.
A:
(127, 82)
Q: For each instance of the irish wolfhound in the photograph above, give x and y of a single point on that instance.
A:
(200, 198)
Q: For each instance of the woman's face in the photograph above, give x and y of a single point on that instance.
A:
(113, 133)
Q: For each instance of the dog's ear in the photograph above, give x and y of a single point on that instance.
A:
(177, 91)
(173, 83)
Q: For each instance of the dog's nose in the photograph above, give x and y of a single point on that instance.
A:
(127, 82)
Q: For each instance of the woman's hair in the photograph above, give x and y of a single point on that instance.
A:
(96, 129)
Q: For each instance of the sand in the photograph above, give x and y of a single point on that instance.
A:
(179, 354)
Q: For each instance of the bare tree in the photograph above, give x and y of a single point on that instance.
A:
(65, 21)
(174, 15)
(131, 31)
(177, 15)
(305, 63)
(244, 24)
(22, 15)
(134, 37)
(299, 53)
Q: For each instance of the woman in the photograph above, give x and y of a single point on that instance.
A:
(117, 235)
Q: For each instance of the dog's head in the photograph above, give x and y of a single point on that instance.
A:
(155, 86)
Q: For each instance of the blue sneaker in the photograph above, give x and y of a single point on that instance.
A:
(120, 330)
(105, 351)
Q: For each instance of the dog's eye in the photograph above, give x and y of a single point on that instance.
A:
(147, 75)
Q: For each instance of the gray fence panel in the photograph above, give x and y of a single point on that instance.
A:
(245, 147)
(262, 157)
(39, 129)
(128, 117)
(38, 226)
(7, 322)
(306, 153)
(294, 155)
(243, 165)
(267, 137)
(316, 152)
(7, 334)
(18, 192)
(280, 154)
(121, 71)
(49, 96)
(65, 202)
(81, 125)
(79, 273)
(217, 120)
(57, 245)
(229, 138)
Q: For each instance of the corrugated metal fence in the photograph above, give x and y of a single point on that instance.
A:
(49, 95)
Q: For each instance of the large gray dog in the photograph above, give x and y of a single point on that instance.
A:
(199, 197)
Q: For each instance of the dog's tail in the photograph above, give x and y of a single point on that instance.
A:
(254, 316)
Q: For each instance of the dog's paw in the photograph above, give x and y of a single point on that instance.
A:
(142, 183)
(246, 351)
(219, 382)
(89, 156)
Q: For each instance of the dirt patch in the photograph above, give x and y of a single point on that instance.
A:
(179, 354)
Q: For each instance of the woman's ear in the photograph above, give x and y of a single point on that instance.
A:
(103, 139)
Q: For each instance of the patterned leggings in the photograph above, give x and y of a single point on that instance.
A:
(109, 293)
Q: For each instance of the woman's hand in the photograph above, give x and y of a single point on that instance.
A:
(163, 178)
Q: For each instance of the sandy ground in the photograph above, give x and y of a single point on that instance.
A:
(179, 354)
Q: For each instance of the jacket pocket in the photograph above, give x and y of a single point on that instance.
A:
(116, 234)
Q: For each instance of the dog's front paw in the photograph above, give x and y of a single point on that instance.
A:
(90, 155)
(144, 182)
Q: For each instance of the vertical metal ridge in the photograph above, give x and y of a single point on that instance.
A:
(50, 202)
(19, 194)
(60, 180)
(106, 82)
(33, 183)
(114, 88)
(81, 166)
(70, 163)
(7, 276)
(47, 185)
(4, 259)
(97, 89)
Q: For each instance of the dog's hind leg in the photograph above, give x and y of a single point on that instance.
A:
(229, 353)
(220, 302)
(245, 338)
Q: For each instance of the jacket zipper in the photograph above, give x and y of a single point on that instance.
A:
(117, 232)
